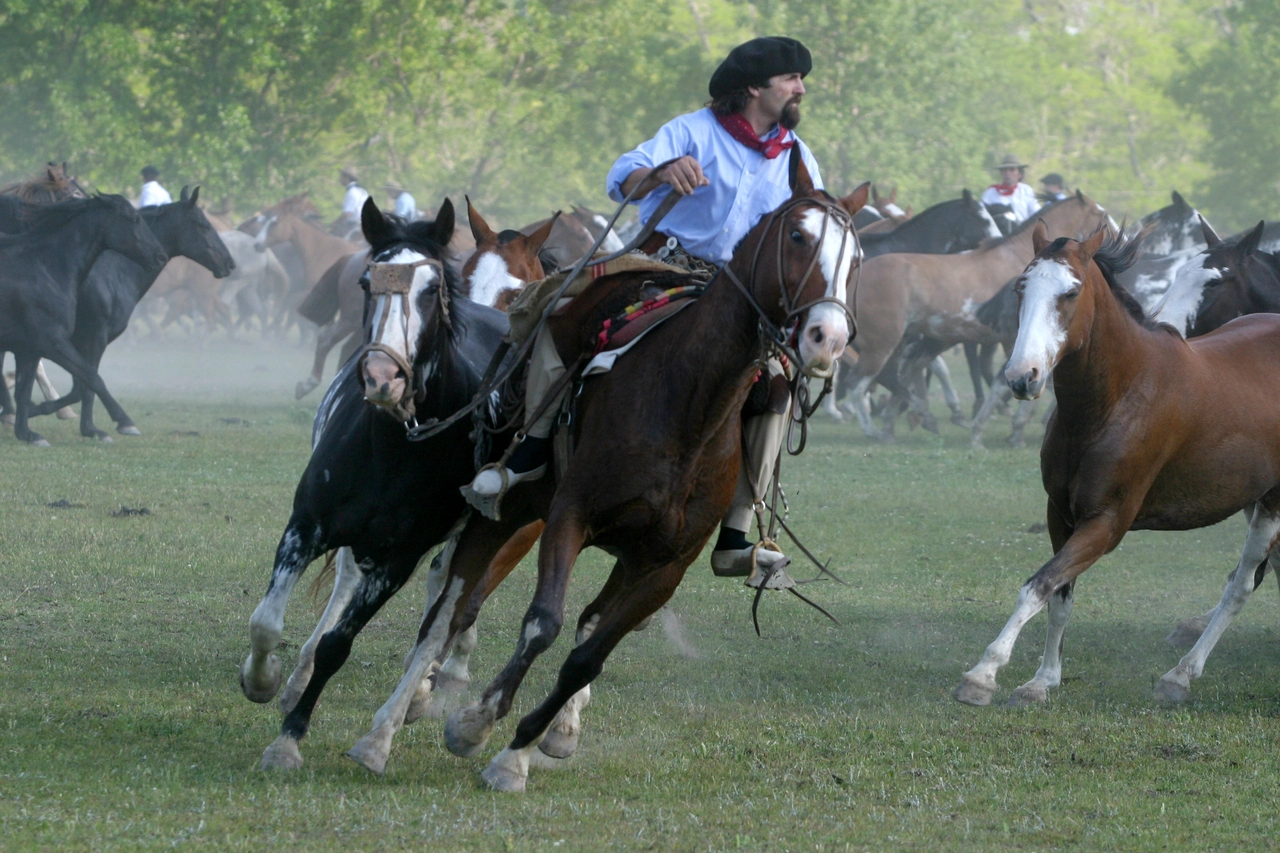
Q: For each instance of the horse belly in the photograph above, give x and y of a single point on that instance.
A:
(1207, 487)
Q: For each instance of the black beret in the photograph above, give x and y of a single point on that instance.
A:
(754, 62)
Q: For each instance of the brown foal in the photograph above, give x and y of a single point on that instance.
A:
(1151, 433)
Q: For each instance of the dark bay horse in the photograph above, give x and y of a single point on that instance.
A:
(1151, 432)
(951, 226)
(1228, 279)
(43, 269)
(116, 284)
(657, 452)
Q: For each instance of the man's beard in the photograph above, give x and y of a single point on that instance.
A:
(790, 114)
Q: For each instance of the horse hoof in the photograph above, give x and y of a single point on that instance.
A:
(972, 693)
(976, 444)
(1172, 692)
(66, 414)
(1186, 632)
(931, 424)
(506, 773)
(558, 744)
(99, 435)
(283, 754)
(264, 690)
(467, 730)
(39, 441)
(8, 419)
(370, 752)
(644, 623)
(304, 388)
(446, 683)
(1028, 694)
(128, 429)
(960, 420)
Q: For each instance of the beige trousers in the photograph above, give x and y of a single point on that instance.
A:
(763, 434)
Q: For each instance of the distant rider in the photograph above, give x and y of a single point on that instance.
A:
(352, 202)
(733, 170)
(1053, 188)
(1020, 198)
(406, 206)
(152, 193)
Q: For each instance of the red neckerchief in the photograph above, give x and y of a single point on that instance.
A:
(1004, 189)
(740, 129)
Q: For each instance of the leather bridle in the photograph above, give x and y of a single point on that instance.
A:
(395, 281)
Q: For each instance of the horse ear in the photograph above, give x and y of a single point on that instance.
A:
(1249, 243)
(911, 211)
(801, 181)
(442, 228)
(1179, 201)
(875, 195)
(1039, 236)
(966, 195)
(195, 194)
(1210, 236)
(479, 228)
(857, 199)
(893, 196)
(1090, 246)
(185, 195)
(535, 240)
(372, 222)
(1079, 195)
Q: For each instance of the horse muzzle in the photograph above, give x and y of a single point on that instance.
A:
(822, 342)
(385, 382)
(1028, 385)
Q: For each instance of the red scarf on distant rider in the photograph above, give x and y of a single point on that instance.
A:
(740, 129)
(1004, 189)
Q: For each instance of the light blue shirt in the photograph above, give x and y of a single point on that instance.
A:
(406, 206)
(744, 186)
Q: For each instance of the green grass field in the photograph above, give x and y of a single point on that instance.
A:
(122, 726)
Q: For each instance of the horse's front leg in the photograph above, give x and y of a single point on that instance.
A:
(260, 672)
(1085, 545)
(25, 367)
(468, 728)
(628, 604)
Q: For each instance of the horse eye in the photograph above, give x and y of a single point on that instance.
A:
(797, 238)
(1071, 294)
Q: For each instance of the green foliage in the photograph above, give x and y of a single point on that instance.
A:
(524, 104)
(1233, 86)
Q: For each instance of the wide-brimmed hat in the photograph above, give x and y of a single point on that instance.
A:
(1010, 162)
(753, 63)
(393, 187)
(349, 173)
(1053, 178)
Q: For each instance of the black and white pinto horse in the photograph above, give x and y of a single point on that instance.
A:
(1229, 279)
(1173, 240)
(43, 270)
(116, 284)
(381, 500)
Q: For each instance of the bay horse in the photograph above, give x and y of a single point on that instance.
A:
(43, 269)
(658, 444)
(936, 295)
(377, 498)
(1151, 432)
(116, 284)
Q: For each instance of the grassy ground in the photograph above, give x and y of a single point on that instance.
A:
(122, 726)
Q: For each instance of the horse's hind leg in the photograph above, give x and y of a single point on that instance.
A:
(7, 411)
(260, 673)
(345, 580)
(468, 728)
(1049, 675)
(618, 615)
(1259, 544)
(938, 367)
(51, 394)
(329, 337)
(862, 409)
(999, 393)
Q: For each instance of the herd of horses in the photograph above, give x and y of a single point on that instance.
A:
(1160, 340)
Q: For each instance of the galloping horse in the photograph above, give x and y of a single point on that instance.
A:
(1151, 432)
(936, 295)
(658, 445)
(381, 500)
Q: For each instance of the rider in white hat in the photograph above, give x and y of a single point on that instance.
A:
(1011, 191)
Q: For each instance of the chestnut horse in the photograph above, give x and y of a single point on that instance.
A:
(657, 451)
(1151, 432)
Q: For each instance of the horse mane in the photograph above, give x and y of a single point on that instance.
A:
(45, 218)
(1117, 254)
(52, 185)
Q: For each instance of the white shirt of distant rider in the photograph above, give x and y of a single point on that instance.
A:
(353, 202)
(153, 194)
(406, 206)
(1022, 200)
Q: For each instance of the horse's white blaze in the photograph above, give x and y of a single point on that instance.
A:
(1182, 300)
(394, 328)
(1040, 332)
(894, 210)
(612, 243)
(993, 230)
(491, 277)
(827, 330)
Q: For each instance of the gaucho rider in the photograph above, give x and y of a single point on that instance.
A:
(730, 168)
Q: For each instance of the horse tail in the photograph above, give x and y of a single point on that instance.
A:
(327, 573)
(321, 305)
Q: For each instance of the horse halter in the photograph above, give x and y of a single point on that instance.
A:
(396, 280)
(776, 332)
